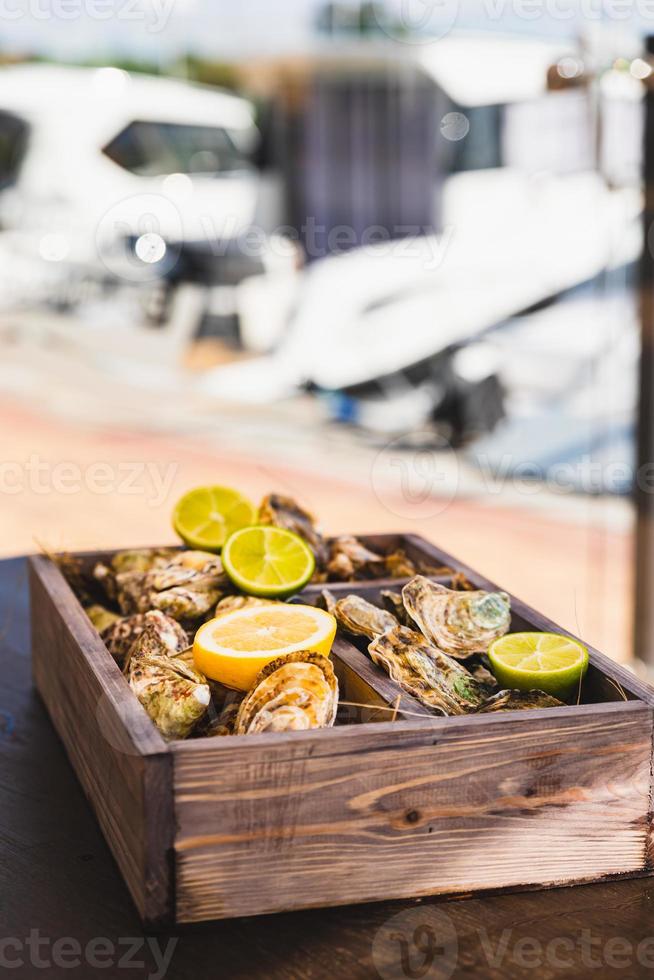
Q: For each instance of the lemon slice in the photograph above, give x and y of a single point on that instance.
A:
(234, 648)
(546, 662)
(205, 517)
(268, 562)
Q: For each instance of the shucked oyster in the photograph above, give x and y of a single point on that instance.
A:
(286, 513)
(355, 615)
(435, 679)
(519, 701)
(459, 623)
(120, 636)
(293, 693)
(175, 696)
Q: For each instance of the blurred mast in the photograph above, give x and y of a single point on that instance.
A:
(644, 586)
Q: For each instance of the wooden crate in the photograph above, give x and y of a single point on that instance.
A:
(370, 810)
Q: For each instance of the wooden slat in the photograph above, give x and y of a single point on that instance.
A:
(462, 804)
(122, 762)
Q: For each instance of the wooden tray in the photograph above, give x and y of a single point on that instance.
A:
(372, 809)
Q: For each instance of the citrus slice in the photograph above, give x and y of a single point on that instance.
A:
(268, 561)
(205, 517)
(546, 662)
(234, 648)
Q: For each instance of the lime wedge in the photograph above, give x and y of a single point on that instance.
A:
(546, 662)
(268, 561)
(205, 517)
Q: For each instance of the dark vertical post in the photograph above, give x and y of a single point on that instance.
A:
(644, 626)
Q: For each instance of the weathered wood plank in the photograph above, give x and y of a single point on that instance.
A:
(121, 761)
(466, 807)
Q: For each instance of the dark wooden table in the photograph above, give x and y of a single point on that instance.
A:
(63, 903)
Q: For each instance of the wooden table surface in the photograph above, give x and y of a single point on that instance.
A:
(63, 903)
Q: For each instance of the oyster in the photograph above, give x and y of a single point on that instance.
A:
(520, 701)
(101, 618)
(293, 693)
(136, 562)
(459, 623)
(479, 667)
(175, 696)
(327, 601)
(355, 615)
(436, 680)
(286, 513)
(233, 602)
(185, 586)
(399, 565)
(350, 560)
(221, 719)
(121, 635)
(394, 604)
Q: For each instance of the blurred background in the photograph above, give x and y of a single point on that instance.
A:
(382, 256)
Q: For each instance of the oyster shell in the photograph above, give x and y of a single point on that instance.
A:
(520, 701)
(355, 615)
(120, 636)
(459, 623)
(296, 692)
(286, 513)
(460, 583)
(185, 586)
(394, 604)
(399, 565)
(327, 601)
(233, 602)
(436, 680)
(136, 562)
(350, 560)
(175, 696)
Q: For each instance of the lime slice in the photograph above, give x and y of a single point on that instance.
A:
(205, 517)
(546, 662)
(268, 561)
(234, 648)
